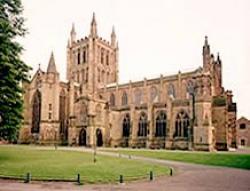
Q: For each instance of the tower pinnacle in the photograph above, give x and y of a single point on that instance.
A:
(206, 41)
(73, 33)
(218, 58)
(93, 28)
(113, 37)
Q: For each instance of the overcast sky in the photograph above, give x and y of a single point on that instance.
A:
(155, 36)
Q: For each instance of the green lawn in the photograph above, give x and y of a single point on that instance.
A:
(58, 165)
(217, 159)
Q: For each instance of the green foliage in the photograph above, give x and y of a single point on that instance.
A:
(13, 70)
(206, 158)
(47, 164)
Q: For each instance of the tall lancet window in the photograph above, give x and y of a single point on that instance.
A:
(36, 112)
(161, 124)
(182, 123)
(142, 125)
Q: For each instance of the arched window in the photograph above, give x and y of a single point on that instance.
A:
(78, 57)
(102, 56)
(84, 56)
(107, 59)
(103, 76)
(138, 97)
(36, 112)
(62, 114)
(142, 125)
(124, 98)
(182, 124)
(171, 91)
(87, 74)
(153, 94)
(161, 124)
(126, 126)
(112, 100)
(98, 75)
(107, 77)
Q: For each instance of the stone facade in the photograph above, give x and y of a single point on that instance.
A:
(187, 110)
(243, 132)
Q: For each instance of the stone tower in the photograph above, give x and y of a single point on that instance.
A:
(92, 62)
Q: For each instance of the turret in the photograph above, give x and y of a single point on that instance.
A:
(113, 37)
(93, 28)
(206, 55)
(218, 59)
(218, 73)
(73, 34)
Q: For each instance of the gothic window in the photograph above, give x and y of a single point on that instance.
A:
(153, 94)
(138, 97)
(142, 125)
(182, 123)
(50, 107)
(107, 77)
(102, 56)
(126, 126)
(84, 56)
(62, 105)
(161, 124)
(36, 112)
(103, 76)
(107, 59)
(112, 100)
(87, 74)
(171, 91)
(98, 75)
(124, 98)
(78, 57)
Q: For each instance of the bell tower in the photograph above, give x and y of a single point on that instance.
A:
(92, 62)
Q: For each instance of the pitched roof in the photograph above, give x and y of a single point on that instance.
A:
(52, 66)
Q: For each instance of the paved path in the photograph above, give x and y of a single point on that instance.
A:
(189, 177)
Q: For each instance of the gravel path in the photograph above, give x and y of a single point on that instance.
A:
(187, 177)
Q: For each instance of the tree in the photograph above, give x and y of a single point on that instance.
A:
(13, 71)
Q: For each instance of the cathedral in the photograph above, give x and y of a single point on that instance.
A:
(187, 111)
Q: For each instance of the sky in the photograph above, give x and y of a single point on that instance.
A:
(155, 36)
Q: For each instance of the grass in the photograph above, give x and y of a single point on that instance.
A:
(206, 158)
(64, 165)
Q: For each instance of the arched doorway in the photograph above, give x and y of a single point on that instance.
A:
(99, 140)
(36, 112)
(83, 137)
